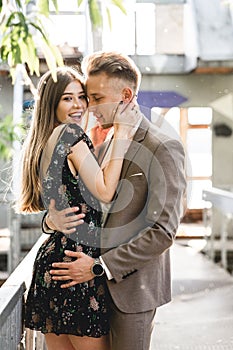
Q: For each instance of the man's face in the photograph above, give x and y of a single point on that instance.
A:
(104, 94)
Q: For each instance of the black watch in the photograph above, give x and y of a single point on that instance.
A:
(97, 268)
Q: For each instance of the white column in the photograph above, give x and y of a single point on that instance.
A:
(14, 224)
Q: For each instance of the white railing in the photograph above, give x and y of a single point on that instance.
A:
(223, 201)
(12, 295)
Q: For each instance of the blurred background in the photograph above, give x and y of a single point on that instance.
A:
(184, 50)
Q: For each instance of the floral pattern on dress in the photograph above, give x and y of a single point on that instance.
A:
(81, 309)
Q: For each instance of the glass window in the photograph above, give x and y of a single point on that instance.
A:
(149, 27)
(67, 29)
(134, 33)
(199, 149)
(168, 120)
(121, 36)
(145, 29)
(173, 118)
(200, 115)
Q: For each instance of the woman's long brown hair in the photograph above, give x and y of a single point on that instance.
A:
(43, 122)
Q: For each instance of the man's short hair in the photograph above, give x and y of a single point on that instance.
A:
(114, 65)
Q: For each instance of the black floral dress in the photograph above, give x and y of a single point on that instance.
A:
(81, 309)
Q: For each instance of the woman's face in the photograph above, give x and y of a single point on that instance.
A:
(72, 104)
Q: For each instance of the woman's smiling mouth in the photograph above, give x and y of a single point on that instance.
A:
(77, 115)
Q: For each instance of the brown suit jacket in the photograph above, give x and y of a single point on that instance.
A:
(143, 220)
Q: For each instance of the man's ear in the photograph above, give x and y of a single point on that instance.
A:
(127, 95)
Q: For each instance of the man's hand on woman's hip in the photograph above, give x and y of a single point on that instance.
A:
(77, 271)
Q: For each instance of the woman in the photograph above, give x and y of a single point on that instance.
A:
(58, 163)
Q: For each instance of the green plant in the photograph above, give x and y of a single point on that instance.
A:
(22, 32)
(9, 132)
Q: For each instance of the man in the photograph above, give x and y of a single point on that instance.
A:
(144, 215)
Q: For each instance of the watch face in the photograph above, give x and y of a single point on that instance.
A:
(98, 269)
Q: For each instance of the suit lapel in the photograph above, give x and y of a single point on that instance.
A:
(103, 150)
(135, 146)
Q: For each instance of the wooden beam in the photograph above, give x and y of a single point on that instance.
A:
(213, 70)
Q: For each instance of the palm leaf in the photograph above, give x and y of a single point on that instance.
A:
(119, 4)
(79, 2)
(43, 7)
(95, 14)
(109, 18)
(52, 56)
